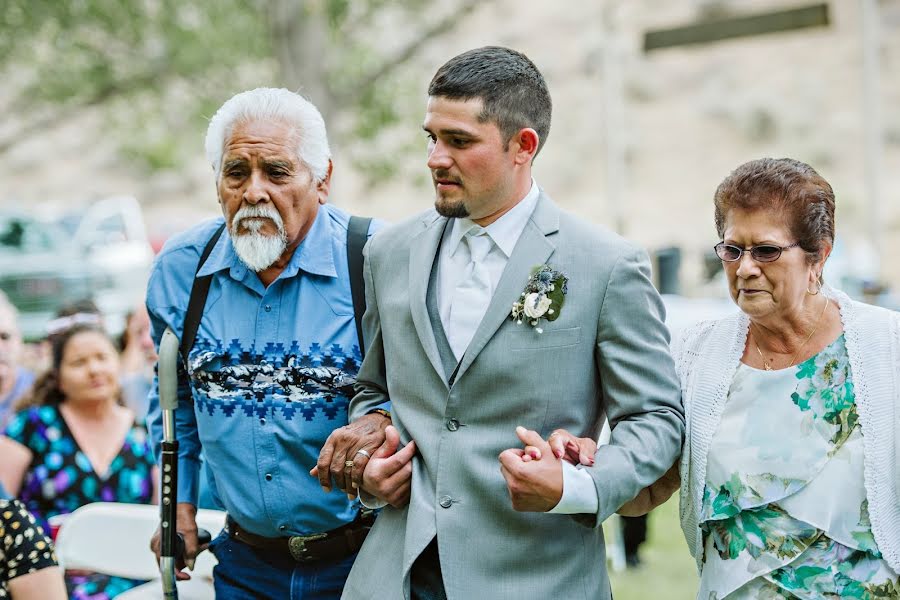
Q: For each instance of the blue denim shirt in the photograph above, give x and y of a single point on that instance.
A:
(271, 375)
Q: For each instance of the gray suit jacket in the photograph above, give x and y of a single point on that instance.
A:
(606, 355)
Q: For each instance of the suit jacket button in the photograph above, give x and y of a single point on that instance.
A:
(453, 425)
(446, 501)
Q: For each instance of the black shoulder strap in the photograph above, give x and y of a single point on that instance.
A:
(197, 303)
(357, 234)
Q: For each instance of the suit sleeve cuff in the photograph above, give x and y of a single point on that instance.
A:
(579, 493)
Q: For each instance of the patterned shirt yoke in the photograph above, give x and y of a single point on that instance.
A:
(271, 374)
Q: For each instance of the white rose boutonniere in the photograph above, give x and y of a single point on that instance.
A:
(536, 305)
(543, 297)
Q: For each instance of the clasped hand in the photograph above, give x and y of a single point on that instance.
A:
(534, 476)
(387, 474)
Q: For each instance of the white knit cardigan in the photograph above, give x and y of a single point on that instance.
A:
(707, 356)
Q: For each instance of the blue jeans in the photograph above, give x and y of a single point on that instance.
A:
(244, 573)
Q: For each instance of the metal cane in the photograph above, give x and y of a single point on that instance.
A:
(172, 543)
(167, 373)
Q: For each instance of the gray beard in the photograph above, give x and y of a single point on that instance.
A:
(256, 250)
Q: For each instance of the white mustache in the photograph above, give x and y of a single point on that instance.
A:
(248, 216)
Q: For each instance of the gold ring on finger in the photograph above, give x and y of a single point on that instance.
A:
(348, 465)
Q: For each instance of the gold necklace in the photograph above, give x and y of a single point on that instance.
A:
(766, 364)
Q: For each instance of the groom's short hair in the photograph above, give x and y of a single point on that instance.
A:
(513, 91)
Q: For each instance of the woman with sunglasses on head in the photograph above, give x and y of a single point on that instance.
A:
(790, 474)
(73, 442)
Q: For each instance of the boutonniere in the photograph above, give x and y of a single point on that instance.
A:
(542, 298)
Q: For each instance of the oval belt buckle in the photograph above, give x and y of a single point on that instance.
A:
(297, 545)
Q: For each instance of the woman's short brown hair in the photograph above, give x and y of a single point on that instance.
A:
(783, 185)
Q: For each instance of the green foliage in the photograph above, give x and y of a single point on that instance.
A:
(89, 50)
(121, 55)
(337, 11)
(159, 68)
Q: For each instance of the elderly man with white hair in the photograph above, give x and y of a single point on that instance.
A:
(274, 357)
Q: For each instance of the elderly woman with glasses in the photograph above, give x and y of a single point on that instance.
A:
(790, 474)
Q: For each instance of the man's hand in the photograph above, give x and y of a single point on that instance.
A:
(534, 485)
(342, 446)
(186, 518)
(388, 475)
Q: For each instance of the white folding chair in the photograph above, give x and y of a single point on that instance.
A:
(112, 538)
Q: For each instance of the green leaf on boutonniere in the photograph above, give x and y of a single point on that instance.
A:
(557, 298)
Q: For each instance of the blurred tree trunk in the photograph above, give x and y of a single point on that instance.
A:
(300, 40)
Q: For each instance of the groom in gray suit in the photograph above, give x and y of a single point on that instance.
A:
(497, 310)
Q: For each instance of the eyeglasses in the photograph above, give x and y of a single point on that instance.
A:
(763, 253)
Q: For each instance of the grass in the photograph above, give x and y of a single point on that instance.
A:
(667, 571)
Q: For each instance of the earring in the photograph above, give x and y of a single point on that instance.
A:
(818, 286)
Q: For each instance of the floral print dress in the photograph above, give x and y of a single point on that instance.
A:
(24, 548)
(784, 510)
(61, 479)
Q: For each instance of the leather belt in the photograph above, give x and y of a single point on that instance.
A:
(331, 545)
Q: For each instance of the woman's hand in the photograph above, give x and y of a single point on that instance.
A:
(565, 446)
(575, 450)
(654, 495)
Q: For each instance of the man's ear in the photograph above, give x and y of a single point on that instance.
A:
(324, 186)
(525, 144)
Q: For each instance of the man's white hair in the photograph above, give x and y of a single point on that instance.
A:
(272, 104)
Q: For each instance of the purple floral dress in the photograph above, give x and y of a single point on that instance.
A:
(61, 479)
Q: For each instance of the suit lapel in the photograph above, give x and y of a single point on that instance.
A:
(532, 249)
(422, 254)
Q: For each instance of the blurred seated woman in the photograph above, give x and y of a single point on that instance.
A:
(28, 568)
(73, 442)
(790, 474)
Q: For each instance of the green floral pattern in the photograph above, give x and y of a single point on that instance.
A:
(761, 530)
(772, 526)
(826, 389)
(834, 570)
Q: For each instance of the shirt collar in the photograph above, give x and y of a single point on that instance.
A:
(221, 257)
(506, 230)
(314, 255)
